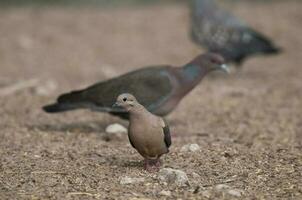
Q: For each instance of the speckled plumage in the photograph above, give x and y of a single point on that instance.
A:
(219, 31)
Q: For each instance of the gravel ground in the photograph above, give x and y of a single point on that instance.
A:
(247, 124)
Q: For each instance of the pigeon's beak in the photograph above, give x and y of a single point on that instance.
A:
(225, 68)
(115, 105)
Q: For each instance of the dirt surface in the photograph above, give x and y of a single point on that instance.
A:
(248, 124)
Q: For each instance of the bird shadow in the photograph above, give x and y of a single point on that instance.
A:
(86, 127)
(123, 162)
(132, 164)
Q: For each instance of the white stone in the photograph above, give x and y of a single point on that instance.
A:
(128, 180)
(138, 198)
(235, 192)
(45, 88)
(190, 148)
(195, 175)
(165, 193)
(173, 176)
(206, 194)
(115, 132)
(222, 187)
(26, 42)
(116, 128)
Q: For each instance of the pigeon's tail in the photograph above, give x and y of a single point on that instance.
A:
(66, 102)
(58, 107)
(272, 50)
(263, 44)
(72, 97)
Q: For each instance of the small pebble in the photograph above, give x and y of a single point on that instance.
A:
(206, 194)
(165, 193)
(195, 175)
(235, 192)
(115, 132)
(222, 187)
(173, 176)
(116, 128)
(128, 180)
(45, 88)
(190, 148)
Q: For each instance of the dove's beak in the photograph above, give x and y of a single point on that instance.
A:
(225, 68)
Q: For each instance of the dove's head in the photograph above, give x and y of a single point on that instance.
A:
(126, 101)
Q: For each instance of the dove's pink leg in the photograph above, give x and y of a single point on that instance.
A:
(147, 165)
(158, 163)
(152, 165)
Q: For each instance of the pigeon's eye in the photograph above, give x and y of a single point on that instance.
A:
(214, 60)
(124, 99)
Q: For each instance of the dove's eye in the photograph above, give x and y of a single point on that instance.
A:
(124, 99)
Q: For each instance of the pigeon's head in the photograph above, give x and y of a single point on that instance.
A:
(126, 101)
(211, 61)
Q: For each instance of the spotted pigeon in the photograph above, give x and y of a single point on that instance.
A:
(219, 31)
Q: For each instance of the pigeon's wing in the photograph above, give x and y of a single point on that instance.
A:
(149, 85)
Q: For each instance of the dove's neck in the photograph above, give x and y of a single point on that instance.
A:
(137, 111)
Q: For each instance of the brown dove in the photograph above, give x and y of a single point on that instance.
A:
(148, 133)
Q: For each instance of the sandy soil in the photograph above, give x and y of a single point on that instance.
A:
(248, 124)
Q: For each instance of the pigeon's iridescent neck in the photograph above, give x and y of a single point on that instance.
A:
(193, 73)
